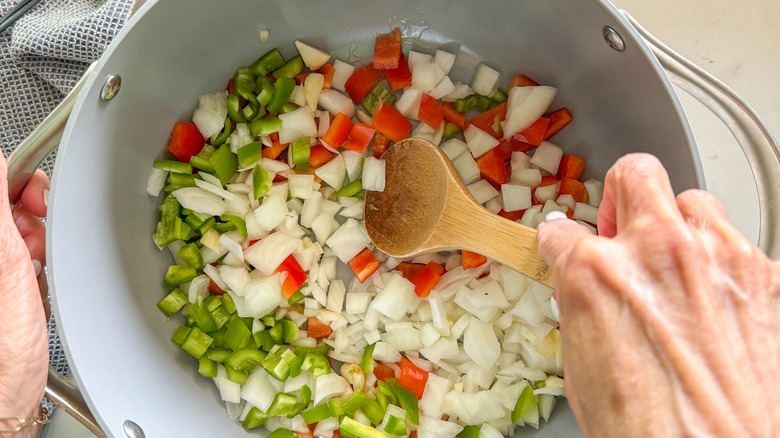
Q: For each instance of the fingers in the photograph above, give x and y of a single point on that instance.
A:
(700, 208)
(36, 194)
(557, 237)
(33, 232)
(636, 187)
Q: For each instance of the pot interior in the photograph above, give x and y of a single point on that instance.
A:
(105, 271)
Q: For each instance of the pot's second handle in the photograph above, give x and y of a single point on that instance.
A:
(760, 148)
(21, 165)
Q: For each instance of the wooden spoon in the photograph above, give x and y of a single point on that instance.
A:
(426, 208)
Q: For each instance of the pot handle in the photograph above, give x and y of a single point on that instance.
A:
(759, 146)
(21, 165)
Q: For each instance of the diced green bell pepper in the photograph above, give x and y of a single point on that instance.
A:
(180, 334)
(237, 334)
(283, 88)
(283, 404)
(220, 138)
(225, 163)
(178, 274)
(172, 302)
(250, 153)
(261, 182)
(469, 431)
(262, 127)
(291, 68)
(316, 414)
(317, 364)
(408, 401)
(355, 401)
(301, 150)
(351, 189)
(190, 254)
(238, 223)
(201, 161)
(270, 61)
(245, 359)
(524, 402)
(174, 166)
(197, 342)
(360, 430)
(207, 367)
(254, 419)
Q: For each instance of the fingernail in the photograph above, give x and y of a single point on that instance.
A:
(37, 266)
(554, 309)
(46, 197)
(553, 215)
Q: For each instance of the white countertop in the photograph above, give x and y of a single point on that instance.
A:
(738, 42)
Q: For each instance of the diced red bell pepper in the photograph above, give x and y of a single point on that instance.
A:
(450, 115)
(571, 166)
(511, 215)
(317, 329)
(362, 134)
(431, 112)
(295, 277)
(471, 259)
(319, 155)
(300, 78)
(361, 82)
(231, 87)
(534, 134)
(327, 71)
(338, 131)
(558, 120)
(390, 122)
(522, 81)
(492, 168)
(412, 377)
(408, 270)
(512, 144)
(489, 120)
(276, 148)
(400, 77)
(425, 280)
(186, 141)
(387, 50)
(574, 188)
(214, 288)
(364, 264)
(307, 434)
(548, 180)
(383, 372)
(381, 143)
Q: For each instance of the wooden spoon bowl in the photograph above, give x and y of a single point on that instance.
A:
(426, 208)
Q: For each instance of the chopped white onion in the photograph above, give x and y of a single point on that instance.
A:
(479, 141)
(374, 174)
(156, 181)
(342, 72)
(524, 107)
(335, 102)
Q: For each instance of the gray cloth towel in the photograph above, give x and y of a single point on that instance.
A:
(41, 58)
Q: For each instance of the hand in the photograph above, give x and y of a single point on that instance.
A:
(670, 318)
(24, 348)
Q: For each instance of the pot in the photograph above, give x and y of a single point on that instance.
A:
(104, 270)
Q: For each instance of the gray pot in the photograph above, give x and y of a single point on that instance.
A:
(104, 269)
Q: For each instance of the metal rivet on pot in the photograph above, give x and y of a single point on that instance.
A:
(613, 39)
(110, 87)
(133, 430)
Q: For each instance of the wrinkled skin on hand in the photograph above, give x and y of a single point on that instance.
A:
(670, 318)
(24, 352)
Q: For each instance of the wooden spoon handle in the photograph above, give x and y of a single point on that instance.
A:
(501, 239)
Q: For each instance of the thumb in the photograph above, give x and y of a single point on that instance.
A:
(557, 237)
